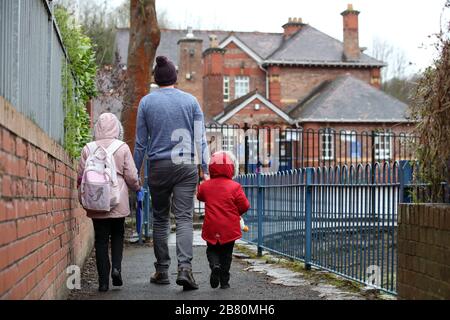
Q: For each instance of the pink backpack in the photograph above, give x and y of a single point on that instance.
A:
(99, 185)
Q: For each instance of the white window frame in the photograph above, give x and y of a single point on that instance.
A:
(226, 88)
(228, 143)
(327, 146)
(383, 145)
(241, 86)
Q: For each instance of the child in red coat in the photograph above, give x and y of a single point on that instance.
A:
(225, 202)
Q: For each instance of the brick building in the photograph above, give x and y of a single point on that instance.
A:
(300, 77)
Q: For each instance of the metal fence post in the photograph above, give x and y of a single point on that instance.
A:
(406, 176)
(259, 210)
(308, 217)
(146, 206)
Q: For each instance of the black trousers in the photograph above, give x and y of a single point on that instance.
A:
(221, 255)
(105, 229)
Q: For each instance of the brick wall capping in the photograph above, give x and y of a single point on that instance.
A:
(293, 24)
(213, 50)
(347, 12)
(190, 40)
(427, 205)
(23, 127)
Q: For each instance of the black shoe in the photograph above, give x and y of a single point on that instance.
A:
(160, 278)
(103, 288)
(116, 278)
(215, 277)
(224, 280)
(186, 279)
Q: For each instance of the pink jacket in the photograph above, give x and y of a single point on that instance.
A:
(107, 129)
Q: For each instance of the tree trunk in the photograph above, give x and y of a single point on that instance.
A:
(144, 40)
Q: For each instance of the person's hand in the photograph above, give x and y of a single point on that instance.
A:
(206, 177)
(140, 194)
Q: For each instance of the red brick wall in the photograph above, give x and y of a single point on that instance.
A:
(423, 252)
(238, 63)
(297, 82)
(192, 65)
(213, 82)
(42, 228)
(274, 85)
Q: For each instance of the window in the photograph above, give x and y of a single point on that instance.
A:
(383, 143)
(353, 146)
(226, 89)
(228, 143)
(327, 146)
(241, 86)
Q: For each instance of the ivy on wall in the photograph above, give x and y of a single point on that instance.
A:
(78, 79)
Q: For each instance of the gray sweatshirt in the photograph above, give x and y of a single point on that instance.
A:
(170, 125)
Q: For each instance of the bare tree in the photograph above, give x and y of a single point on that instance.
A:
(396, 81)
(145, 36)
(123, 16)
(396, 59)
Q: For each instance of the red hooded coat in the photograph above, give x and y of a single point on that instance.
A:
(225, 201)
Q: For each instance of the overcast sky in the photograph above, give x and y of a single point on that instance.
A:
(403, 23)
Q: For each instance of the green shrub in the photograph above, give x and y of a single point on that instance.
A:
(78, 81)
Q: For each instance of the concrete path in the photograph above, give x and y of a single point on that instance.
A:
(250, 280)
(138, 266)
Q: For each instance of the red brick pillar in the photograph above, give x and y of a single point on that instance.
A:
(190, 66)
(274, 85)
(213, 66)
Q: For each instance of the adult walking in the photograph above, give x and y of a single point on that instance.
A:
(170, 129)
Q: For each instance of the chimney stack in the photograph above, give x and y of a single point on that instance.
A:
(292, 26)
(352, 50)
(213, 72)
(190, 66)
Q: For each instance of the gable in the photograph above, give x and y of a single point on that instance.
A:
(246, 109)
(233, 51)
(233, 40)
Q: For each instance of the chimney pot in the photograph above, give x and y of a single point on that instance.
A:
(350, 7)
(214, 43)
(190, 33)
(292, 26)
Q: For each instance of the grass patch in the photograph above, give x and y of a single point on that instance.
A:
(312, 275)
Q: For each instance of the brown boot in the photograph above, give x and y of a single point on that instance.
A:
(160, 278)
(186, 279)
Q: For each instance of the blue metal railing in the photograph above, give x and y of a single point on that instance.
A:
(147, 215)
(341, 219)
